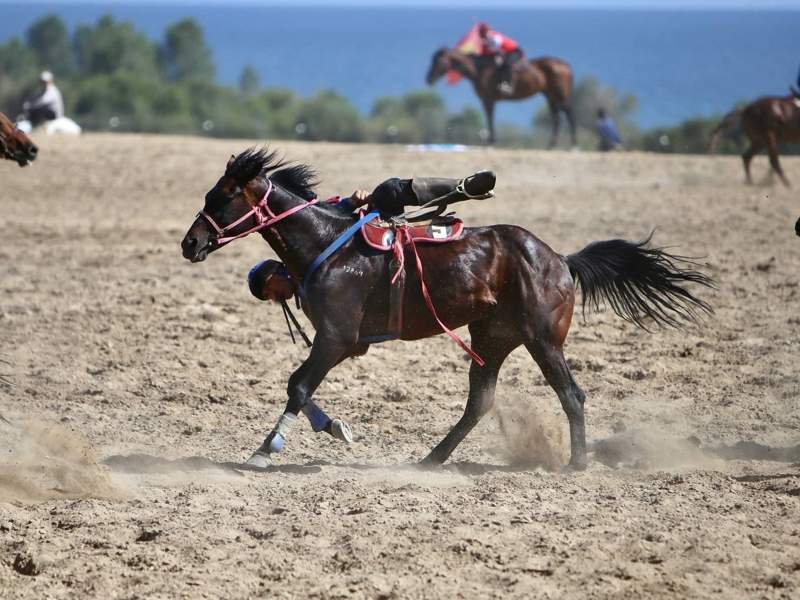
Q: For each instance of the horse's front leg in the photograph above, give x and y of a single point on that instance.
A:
(326, 353)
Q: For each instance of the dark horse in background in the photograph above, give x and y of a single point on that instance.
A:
(550, 76)
(501, 281)
(767, 122)
(14, 144)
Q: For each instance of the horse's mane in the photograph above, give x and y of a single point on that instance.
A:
(298, 178)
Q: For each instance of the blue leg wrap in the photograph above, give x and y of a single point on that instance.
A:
(316, 416)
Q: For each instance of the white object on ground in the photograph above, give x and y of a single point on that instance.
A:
(63, 125)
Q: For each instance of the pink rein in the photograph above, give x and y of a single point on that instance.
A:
(264, 218)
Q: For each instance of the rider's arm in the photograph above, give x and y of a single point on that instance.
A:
(50, 98)
(355, 200)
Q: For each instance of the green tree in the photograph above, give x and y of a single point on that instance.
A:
(17, 73)
(16, 60)
(464, 127)
(249, 82)
(110, 46)
(184, 55)
(276, 112)
(48, 39)
(329, 116)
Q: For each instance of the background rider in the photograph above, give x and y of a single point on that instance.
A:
(47, 105)
(506, 52)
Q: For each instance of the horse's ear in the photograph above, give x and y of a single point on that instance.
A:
(230, 162)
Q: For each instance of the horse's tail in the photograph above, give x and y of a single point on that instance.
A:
(728, 123)
(639, 282)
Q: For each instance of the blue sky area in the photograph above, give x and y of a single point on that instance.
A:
(640, 4)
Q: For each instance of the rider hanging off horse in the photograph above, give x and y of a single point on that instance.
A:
(495, 65)
(271, 281)
(501, 281)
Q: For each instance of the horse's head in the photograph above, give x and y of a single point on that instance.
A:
(14, 144)
(231, 206)
(440, 64)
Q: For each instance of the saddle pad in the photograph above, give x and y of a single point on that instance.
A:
(381, 235)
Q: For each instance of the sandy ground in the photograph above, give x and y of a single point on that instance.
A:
(117, 346)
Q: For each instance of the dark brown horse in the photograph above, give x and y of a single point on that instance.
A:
(767, 122)
(15, 145)
(550, 76)
(509, 287)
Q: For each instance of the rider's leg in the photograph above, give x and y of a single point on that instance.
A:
(40, 115)
(507, 71)
(391, 196)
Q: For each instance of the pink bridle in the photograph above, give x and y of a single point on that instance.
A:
(262, 213)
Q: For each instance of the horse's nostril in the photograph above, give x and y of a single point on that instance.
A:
(34, 150)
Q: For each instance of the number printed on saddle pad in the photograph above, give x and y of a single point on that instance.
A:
(439, 232)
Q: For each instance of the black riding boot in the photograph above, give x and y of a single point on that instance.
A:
(393, 195)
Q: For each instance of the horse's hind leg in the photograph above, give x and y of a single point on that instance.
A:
(493, 346)
(554, 367)
(772, 149)
(571, 121)
(555, 116)
(747, 158)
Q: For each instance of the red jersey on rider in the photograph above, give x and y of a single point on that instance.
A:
(506, 52)
(495, 42)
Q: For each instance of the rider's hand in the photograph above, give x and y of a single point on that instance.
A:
(359, 198)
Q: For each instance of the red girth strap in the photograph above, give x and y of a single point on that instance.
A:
(401, 235)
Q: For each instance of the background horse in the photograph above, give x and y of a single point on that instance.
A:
(551, 76)
(767, 122)
(15, 145)
(508, 286)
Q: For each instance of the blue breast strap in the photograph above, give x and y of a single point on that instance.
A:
(335, 245)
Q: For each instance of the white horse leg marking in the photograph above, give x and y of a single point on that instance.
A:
(274, 442)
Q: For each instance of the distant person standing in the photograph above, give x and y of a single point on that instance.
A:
(607, 132)
(47, 105)
(506, 53)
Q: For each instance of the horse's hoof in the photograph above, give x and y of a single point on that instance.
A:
(341, 431)
(259, 460)
(430, 463)
(575, 466)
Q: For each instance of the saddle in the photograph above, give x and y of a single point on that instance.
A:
(395, 236)
(381, 235)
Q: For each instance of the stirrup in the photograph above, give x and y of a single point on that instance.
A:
(462, 190)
